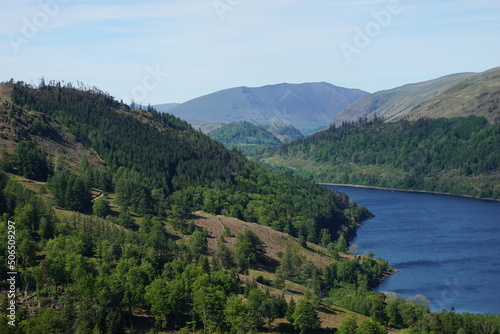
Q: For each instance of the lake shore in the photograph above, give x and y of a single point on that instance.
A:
(407, 190)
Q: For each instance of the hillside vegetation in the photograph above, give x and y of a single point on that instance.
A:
(116, 243)
(252, 139)
(90, 187)
(456, 155)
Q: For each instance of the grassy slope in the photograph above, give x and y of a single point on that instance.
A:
(478, 95)
(398, 101)
(460, 94)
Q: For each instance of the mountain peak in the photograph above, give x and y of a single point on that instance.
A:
(308, 106)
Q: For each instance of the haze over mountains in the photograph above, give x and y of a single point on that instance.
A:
(308, 107)
(311, 107)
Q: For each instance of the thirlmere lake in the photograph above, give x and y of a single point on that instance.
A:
(446, 248)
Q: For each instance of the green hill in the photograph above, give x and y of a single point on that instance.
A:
(457, 155)
(98, 193)
(462, 94)
(252, 139)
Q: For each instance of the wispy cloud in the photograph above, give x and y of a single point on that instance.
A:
(110, 43)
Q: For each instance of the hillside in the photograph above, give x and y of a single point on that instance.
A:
(252, 139)
(117, 243)
(308, 107)
(103, 180)
(456, 155)
(476, 95)
(455, 95)
(398, 102)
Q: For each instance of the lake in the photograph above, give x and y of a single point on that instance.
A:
(447, 248)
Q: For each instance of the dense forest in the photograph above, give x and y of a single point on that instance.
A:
(158, 163)
(107, 247)
(457, 155)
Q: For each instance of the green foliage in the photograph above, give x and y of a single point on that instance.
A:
(248, 249)
(243, 133)
(91, 276)
(100, 207)
(348, 326)
(305, 317)
(193, 173)
(446, 155)
(70, 191)
(30, 161)
(369, 326)
(295, 267)
(197, 244)
(238, 316)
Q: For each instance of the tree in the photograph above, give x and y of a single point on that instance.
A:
(249, 248)
(370, 326)
(165, 299)
(305, 317)
(209, 302)
(348, 326)
(393, 313)
(100, 207)
(377, 311)
(238, 316)
(197, 244)
(30, 161)
(224, 256)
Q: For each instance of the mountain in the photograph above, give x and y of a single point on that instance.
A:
(308, 107)
(477, 95)
(460, 94)
(165, 107)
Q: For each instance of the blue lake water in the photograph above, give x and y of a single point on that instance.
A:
(447, 248)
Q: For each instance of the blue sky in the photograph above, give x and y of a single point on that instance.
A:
(172, 50)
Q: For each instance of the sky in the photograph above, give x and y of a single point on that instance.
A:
(153, 51)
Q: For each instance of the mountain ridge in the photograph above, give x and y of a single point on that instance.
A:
(308, 106)
(453, 95)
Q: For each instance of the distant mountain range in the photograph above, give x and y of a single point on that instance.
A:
(309, 107)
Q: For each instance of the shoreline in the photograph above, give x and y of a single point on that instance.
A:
(385, 275)
(407, 190)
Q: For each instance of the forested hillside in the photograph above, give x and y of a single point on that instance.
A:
(98, 223)
(252, 139)
(99, 239)
(457, 155)
(159, 162)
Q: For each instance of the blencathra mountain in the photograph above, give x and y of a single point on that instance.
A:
(309, 107)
